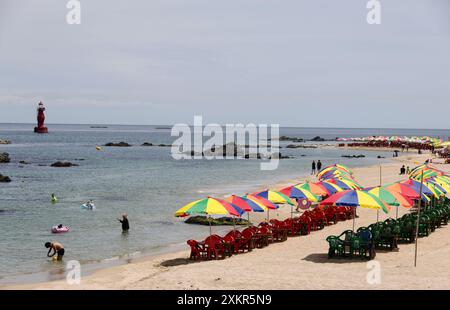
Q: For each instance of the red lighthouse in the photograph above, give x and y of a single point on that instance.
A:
(40, 119)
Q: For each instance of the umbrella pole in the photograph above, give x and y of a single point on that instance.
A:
(354, 216)
(267, 215)
(396, 212)
(378, 211)
(210, 229)
(418, 220)
(234, 224)
(248, 218)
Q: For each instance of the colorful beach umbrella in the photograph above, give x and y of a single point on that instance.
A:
(260, 200)
(341, 184)
(392, 198)
(246, 204)
(339, 167)
(268, 204)
(331, 174)
(330, 187)
(299, 193)
(275, 197)
(314, 188)
(210, 206)
(416, 185)
(402, 189)
(351, 182)
(356, 198)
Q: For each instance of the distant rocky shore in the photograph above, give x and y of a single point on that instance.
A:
(297, 139)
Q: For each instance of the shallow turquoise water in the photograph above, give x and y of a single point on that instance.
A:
(144, 182)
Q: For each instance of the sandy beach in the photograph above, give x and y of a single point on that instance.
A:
(299, 263)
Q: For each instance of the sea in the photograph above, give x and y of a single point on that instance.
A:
(145, 182)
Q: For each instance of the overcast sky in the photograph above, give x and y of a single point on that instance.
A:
(297, 63)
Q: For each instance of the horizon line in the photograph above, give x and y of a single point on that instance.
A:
(166, 125)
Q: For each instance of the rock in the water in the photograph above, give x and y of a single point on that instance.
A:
(120, 144)
(147, 144)
(203, 220)
(4, 158)
(23, 162)
(164, 145)
(63, 164)
(317, 138)
(293, 139)
(4, 141)
(4, 179)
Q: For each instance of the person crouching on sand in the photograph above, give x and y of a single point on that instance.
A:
(57, 248)
(125, 223)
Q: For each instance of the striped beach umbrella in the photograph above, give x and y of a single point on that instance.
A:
(314, 188)
(356, 198)
(299, 193)
(210, 206)
(265, 202)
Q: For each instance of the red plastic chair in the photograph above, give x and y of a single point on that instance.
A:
(215, 247)
(330, 213)
(342, 214)
(246, 242)
(305, 224)
(266, 234)
(236, 234)
(197, 251)
(230, 244)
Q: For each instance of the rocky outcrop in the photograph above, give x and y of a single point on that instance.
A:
(119, 144)
(293, 139)
(63, 164)
(4, 179)
(203, 220)
(147, 144)
(354, 156)
(317, 138)
(4, 141)
(4, 158)
(164, 145)
(23, 162)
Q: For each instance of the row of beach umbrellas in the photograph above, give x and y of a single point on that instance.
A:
(335, 186)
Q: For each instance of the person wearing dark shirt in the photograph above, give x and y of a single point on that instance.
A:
(313, 167)
(125, 223)
(319, 166)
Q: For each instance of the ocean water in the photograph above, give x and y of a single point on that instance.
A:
(145, 182)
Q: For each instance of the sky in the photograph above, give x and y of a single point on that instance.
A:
(315, 63)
